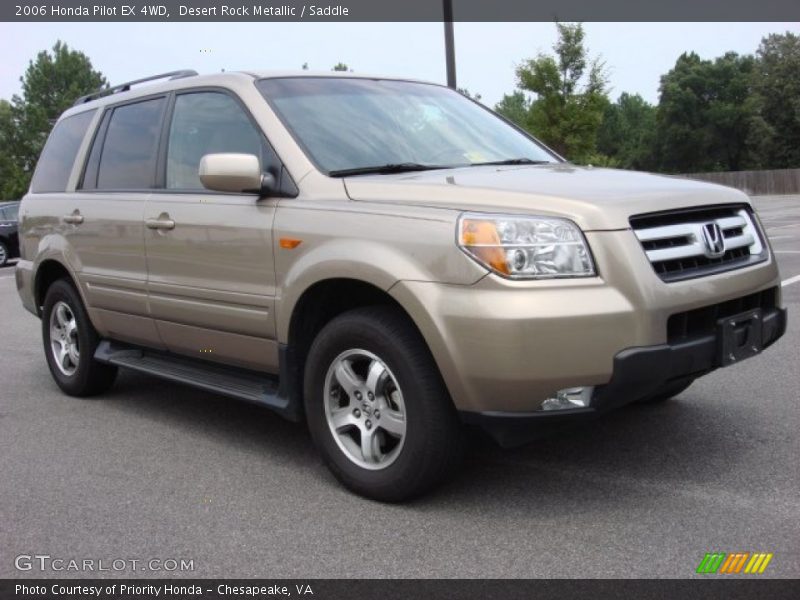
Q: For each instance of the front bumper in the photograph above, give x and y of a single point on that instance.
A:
(638, 373)
(504, 346)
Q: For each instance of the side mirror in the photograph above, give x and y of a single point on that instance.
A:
(231, 172)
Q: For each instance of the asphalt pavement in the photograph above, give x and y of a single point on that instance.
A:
(155, 470)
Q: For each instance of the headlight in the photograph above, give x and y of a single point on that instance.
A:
(526, 247)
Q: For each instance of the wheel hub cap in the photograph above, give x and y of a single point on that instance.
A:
(364, 408)
(64, 338)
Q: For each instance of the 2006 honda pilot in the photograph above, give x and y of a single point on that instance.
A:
(383, 258)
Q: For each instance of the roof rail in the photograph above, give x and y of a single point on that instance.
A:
(124, 87)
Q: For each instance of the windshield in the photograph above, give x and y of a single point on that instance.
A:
(348, 124)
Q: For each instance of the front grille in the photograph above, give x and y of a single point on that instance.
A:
(703, 321)
(678, 247)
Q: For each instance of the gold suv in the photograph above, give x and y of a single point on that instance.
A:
(385, 259)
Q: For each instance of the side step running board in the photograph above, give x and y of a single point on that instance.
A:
(251, 386)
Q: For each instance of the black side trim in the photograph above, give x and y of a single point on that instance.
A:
(290, 385)
(244, 384)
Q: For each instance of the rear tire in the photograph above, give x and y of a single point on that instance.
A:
(377, 408)
(668, 391)
(70, 341)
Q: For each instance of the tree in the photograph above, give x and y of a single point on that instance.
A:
(776, 81)
(627, 132)
(465, 92)
(570, 95)
(9, 174)
(706, 114)
(515, 107)
(51, 84)
(340, 66)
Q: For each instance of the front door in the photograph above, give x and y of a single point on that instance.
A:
(211, 279)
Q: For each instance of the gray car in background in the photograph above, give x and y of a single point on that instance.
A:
(9, 239)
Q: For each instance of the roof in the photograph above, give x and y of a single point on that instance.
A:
(267, 74)
(186, 78)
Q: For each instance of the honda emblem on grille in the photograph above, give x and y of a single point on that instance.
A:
(714, 240)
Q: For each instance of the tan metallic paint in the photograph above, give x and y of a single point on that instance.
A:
(214, 271)
(219, 280)
(596, 199)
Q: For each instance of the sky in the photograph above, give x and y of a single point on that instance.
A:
(637, 54)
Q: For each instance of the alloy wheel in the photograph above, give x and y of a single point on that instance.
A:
(364, 409)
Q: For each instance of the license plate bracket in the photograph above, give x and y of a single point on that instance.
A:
(739, 337)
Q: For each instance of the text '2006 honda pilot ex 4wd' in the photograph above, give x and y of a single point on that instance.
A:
(383, 258)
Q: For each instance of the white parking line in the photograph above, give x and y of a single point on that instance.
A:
(786, 251)
(7, 277)
(790, 281)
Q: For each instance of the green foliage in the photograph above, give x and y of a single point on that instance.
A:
(465, 92)
(340, 66)
(598, 159)
(515, 107)
(10, 175)
(705, 114)
(569, 92)
(776, 80)
(51, 84)
(731, 113)
(627, 133)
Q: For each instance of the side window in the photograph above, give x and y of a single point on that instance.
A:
(206, 123)
(11, 213)
(130, 148)
(58, 156)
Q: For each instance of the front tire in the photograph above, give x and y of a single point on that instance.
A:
(377, 408)
(4, 254)
(70, 341)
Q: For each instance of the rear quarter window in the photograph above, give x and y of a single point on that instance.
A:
(58, 157)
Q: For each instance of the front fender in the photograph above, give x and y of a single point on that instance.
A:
(376, 249)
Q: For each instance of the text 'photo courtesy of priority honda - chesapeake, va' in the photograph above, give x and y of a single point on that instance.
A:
(390, 300)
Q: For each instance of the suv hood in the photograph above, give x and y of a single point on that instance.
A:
(596, 199)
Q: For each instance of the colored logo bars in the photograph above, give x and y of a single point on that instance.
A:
(736, 562)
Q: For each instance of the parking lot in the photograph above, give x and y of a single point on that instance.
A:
(156, 470)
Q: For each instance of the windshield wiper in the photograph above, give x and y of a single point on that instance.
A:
(405, 167)
(513, 161)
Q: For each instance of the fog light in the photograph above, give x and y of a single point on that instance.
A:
(574, 397)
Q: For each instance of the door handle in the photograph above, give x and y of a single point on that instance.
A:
(76, 218)
(160, 223)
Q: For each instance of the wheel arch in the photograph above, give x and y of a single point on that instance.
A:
(48, 272)
(320, 303)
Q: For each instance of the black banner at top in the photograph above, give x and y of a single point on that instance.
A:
(397, 10)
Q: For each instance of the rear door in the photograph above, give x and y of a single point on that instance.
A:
(211, 278)
(108, 212)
